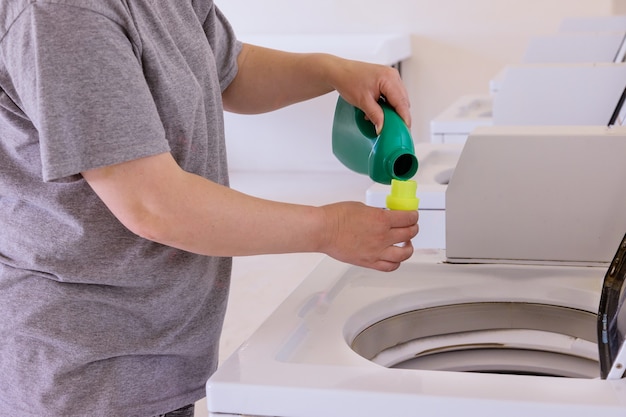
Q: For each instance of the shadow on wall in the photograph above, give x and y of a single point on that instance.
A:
(619, 7)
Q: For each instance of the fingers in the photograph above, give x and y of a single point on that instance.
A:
(393, 256)
(398, 97)
(368, 236)
(375, 115)
(400, 218)
(392, 88)
(363, 84)
(374, 112)
(405, 228)
(398, 253)
(404, 234)
(385, 266)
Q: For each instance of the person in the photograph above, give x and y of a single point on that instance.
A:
(118, 225)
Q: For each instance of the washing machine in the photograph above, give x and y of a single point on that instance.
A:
(467, 331)
(593, 24)
(537, 94)
(543, 87)
(433, 338)
(599, 46)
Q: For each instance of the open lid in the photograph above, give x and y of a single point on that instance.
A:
(619, 116)
(612, 318)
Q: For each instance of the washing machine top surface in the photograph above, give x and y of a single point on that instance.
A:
(332, 348)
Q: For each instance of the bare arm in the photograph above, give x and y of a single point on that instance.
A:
(154, 198)
(269, 79)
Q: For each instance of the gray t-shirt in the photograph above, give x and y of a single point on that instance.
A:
(96, 321)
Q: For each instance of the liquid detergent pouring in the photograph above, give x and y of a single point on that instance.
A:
(388, 157)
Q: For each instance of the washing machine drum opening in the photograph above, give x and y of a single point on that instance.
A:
(498, 337)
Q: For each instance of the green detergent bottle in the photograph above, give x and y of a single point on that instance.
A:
(384, 157)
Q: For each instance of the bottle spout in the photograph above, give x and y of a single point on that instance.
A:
(384, 157)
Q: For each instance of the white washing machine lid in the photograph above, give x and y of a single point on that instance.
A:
(612, 318)
(619, 116)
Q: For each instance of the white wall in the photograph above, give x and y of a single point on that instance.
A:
(458, 45)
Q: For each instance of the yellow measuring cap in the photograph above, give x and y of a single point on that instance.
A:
(402, 195)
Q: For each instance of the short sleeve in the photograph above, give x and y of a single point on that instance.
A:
(77, 77)
(224, 44)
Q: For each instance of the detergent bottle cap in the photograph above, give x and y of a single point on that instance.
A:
(402, 195)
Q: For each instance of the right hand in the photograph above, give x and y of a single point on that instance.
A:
(368, 236)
